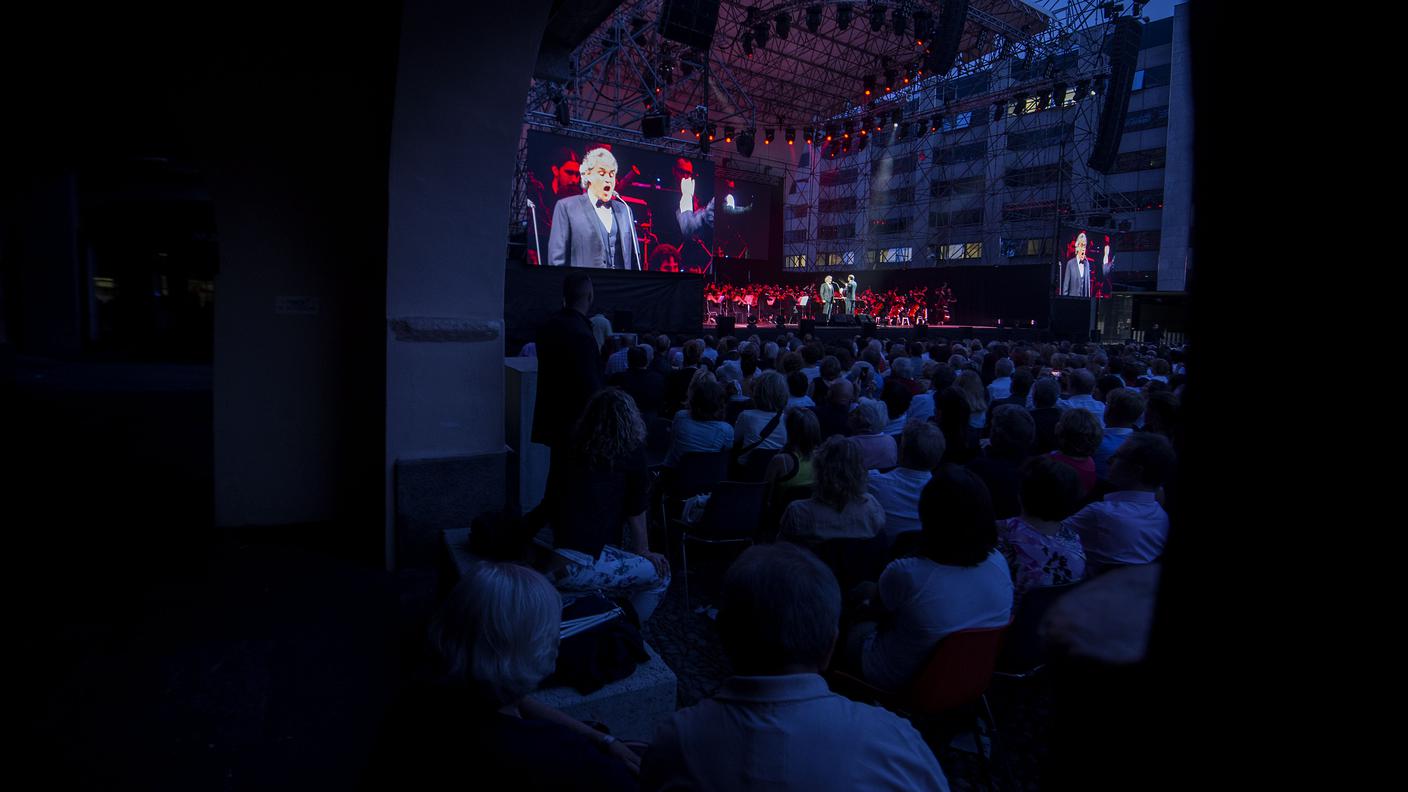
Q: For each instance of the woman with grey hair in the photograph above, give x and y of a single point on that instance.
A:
(840, 507)
(761, 427)
(878, 451)
(494, 640)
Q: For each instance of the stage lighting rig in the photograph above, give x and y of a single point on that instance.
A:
(877, 18)
(768, 134)
(899, 22)
(782, 24)
(869, 82)
(844, 13)
(813, 19)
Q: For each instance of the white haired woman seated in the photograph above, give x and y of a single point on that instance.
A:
(495, 639)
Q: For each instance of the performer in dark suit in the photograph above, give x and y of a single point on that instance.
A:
(596, 229)
(850, 292)
(827, 292)
(1075, 280)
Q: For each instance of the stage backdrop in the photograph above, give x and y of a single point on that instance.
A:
(1015, 294)
(664, 302)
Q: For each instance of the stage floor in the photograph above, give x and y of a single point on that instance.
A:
(932, 327)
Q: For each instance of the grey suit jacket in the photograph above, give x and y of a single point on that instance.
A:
(827, 291)
(576, 238)
(1072, 284)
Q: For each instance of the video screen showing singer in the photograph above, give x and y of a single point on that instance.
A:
(596, 229)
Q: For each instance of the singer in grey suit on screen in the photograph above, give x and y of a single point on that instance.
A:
(595, 229)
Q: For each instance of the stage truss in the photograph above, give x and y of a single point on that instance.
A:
(914, 183)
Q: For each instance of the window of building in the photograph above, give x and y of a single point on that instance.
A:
(1037, 176)
(833, 205)
(896, 255)
(795, 262)
(960, 250)
(798, 210)
(890, 225)
(842, 176)
(828, 259)
(848, 258)
(794, 236)
(1039, 138)
(956, 122)
(1152, 77)
(966, 152)
(899, 195)
(1034, 210)
(958, 217)
(968, 186)
(1147, 159)
(1138, 241)
(1152, 118)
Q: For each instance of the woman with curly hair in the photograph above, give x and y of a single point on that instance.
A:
(607, 489)
(840, 507)
(1078, 436)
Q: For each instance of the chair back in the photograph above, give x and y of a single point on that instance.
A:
(1022, 650)
(698, 471)
(957, 673)
(657, 440)
(757, 465)
(734, 510)
(854, 561)
(733, 408)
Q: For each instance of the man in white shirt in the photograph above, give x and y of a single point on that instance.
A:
(1129, 526)
(775, 725)
(1123, 409)
(1082, 386)
(921, 450)
(1001, 386)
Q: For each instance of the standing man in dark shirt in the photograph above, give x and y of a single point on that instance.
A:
(569, 372)
(647, 387)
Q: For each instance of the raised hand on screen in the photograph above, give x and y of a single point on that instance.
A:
(687, 187)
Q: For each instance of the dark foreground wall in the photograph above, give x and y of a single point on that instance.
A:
(670, 303)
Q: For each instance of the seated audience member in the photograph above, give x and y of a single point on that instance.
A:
(1013, 433)
(834, 413)
(867, 426)
(797, 390)
(711, 349)
(762, 427)
(921, 451)
(1104, 384)
(812, 355)
(839, 508)
(1001, 385)
(790, 362)
(1129, 526)
(1082, 386)
(897, 398)
(775, 725)
(1161, 414)
(661, 362)
(1045, 394)
(1123, 409)
(1040, 551)
(951, 414)
(494, 640)
(902, 370)
(1160, 370)
(1021, 386)
(616, 362)
(972, 387)
(1078, 435)
(645, 386)
(677, 383)
(701, 427)
(959, 581)
(607, 487)
(792, 467)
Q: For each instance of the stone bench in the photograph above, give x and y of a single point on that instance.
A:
(632, 707)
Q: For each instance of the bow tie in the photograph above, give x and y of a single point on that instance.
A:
(603, 204)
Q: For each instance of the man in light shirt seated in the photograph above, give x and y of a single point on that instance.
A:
(1082, 386)
(867, 427)
(775, 725)
(921, 450)
(797, 387)
(1001, 386)
(1123, 409)
(1129, 526)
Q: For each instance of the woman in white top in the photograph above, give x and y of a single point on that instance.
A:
(770, 396)
(958, 581)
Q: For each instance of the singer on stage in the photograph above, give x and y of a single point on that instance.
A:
(849, 290)
(595, 229)
(826, 293)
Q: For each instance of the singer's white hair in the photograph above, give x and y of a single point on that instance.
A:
(595, 159)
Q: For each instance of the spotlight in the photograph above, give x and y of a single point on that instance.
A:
(728, 134)
(791, 135)
(712, 130)
(869, 83)
(843, 15)
(809, 135)
(923, 24)
(934, 124)
(748, 44)
(745, 142)
(879, 122)
(896, 117)
(813, 19)
(760, 34)
(768, 136)
(898, 22)
(830, 132)
(889, 80)
(783, 24)
(877, 18)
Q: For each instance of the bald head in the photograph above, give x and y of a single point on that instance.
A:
(841, 392)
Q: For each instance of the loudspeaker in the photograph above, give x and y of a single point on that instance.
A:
(725, 327)
(653, 125)
(806, 326)
(867, 326)
(621, 321)
(947, 39)
(1124, 56)
(843, 320)
(690, 22)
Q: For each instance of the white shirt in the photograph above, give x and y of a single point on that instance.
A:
(603, 213)
(1084, 401)
(1000, 388)
(750, 425)
(617, 362)
(898, 493)
(928, 601)
(787, 733)
(800, 401)
(1127, 527)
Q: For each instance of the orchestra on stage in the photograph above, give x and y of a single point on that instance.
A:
(777, 304)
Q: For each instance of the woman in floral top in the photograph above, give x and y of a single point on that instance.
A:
(1039, 551)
